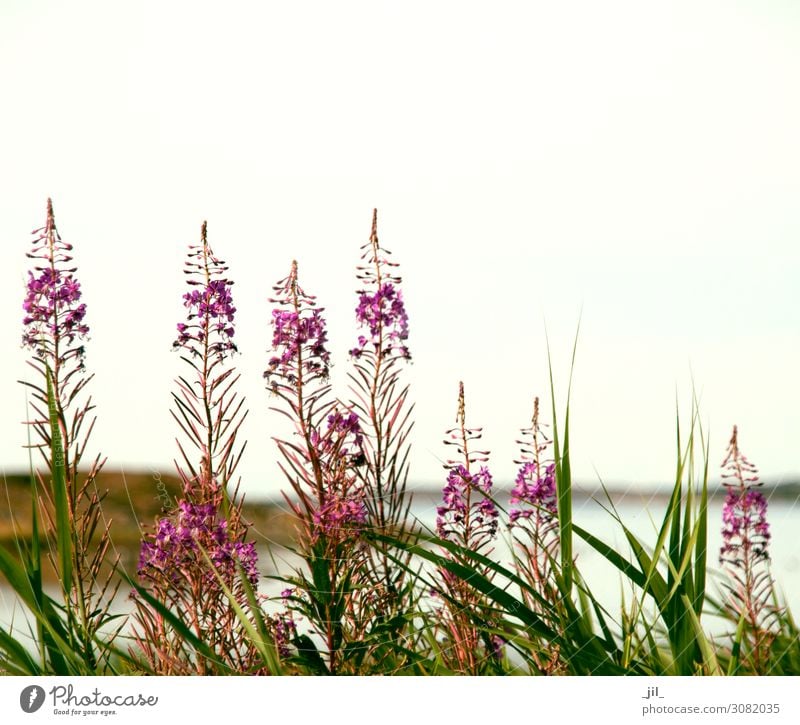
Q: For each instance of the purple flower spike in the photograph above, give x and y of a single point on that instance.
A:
(341, 516)
(299, 337)
(292, 334)
(54, 315)
(745, 530)
(384, 314)
(534, 491)
(744, 516)
(745, 539)
(285, 630)
(466, 514)
(380, 308)
(175, 549)
(209, 322)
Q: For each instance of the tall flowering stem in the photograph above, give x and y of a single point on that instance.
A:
(54, 331)
(467, 517)
(744, 553)
(319, 462)
(207, 407)
(381, 400)
(201, 545)
(533, 514)
(533, 521)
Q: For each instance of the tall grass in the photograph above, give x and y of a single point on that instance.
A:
(375, 592)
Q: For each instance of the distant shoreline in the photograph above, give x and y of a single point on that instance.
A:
(788, 491)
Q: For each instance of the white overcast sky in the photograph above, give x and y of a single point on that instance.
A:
(634, 164)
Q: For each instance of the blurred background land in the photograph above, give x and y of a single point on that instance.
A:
(132, 505)
(135, 500)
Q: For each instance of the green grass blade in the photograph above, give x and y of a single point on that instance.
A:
(706, 650)
(60, 493)
(17, 659)
(258, 634)
(736, 651)
(563, 472)
(701, 545)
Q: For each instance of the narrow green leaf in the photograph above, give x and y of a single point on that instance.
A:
(258, 634)
(18, 660)
(706, 650)
(60, 493)
(701, 545)
(736, 651)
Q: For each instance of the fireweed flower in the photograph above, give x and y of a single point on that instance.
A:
(192, 548)
(319, 462)
(342, 512)
(744, 552)
(54, 330)
(380, 312)
(467, 514)
(54, 314)
(384, 316)
(745, 530)
(284, 630)
(299, 337)
(339, 516)
(343, 435)
(473, 521)
(173, 552)
(52, 309)
(533, 523)
(332, 439)
(291, 333)
(283, 624)
(744, 518)
(211, 310)
(535, 489)
(467, 517)
(207, 407)
(534, 500)
(382, 399)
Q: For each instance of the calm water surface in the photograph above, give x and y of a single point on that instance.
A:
(602, 577)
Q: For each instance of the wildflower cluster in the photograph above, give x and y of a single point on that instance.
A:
(467, 517)
(744, 553)
(342, 511)
(53, 308)
(339, 515)
(54, 329)
(343, 435)
(209, 325)
(319, 462)
(299, 336)
(283, 625)
(380, 308)
(194, 547)
(536, 490)
(745, 531)
(214, 310)
(380, 397)
(54, 314)
(467, 513)
(533, 521)
(180, 541)
(384, 315)
(463, 511)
